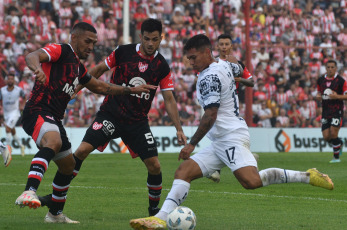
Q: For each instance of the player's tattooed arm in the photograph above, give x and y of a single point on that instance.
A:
(104, 88)
(206, 123)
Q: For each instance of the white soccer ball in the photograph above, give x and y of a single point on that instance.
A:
(181, 218)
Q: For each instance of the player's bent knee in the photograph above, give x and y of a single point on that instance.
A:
(189, 170)
(83, 151)
(66, 165)
(153, 165)
(154, 168)
(54, 144)
(252, 184)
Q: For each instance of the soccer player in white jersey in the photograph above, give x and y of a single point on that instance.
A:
(225, 47)
(10, 95)
(228, 133)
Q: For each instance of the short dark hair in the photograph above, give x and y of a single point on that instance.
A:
(198, 41)
(150, 25)
(224, 36)
(332, 61)
(83, 26)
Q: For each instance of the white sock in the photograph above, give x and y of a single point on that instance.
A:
(15, 138)
(178, 193)
(279, 176)
(8, 139)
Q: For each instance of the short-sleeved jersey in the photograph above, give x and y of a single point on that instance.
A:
(64, 72)
(132, 68)
(246, 74)
(216, 88)
(10, 99)
(331, 108)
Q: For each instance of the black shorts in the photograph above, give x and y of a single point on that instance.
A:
(137, 137)
(328, 122)
(33, 125)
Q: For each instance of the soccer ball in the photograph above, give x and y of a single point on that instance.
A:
(181, 218)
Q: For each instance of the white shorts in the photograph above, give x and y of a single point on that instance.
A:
(233, 154)
(11, 119)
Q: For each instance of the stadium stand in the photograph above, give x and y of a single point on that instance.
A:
(291, 41)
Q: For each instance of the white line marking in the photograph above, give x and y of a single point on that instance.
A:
(200, 191)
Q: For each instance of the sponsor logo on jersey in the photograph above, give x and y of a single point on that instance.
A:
(97, 126)
(137, 81)
(108, 127)
(328, 83)
(70, 89)
(143, 67)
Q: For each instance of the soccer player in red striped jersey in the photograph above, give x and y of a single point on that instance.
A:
(58, 71)
(225, 47)
(127, 116)
(332, 90)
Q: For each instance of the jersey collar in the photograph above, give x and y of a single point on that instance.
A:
(144, 56)
(325, 76)
(73, 51)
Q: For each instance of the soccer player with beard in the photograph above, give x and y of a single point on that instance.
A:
(58, 71)
(230, 140)
(332, 89)
(126, 116)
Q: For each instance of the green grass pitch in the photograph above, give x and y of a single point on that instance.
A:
(111, 189)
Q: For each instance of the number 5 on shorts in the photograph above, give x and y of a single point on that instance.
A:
(149, 137)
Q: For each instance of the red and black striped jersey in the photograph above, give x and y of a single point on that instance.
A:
(331, 108)
(132, 68)
(64, 72)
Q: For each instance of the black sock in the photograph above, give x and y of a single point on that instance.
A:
(77, 166)
(61, 184)
(336, 143)
(38, 167)
(154, 189)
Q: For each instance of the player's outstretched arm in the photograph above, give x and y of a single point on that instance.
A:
(98, 70)
(171, 108)
(100, 87)
(246, 82)
(206, 123)
(33, 61)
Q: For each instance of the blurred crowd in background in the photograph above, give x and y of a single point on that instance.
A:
(290, 42)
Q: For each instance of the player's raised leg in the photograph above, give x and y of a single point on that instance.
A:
(311, 176)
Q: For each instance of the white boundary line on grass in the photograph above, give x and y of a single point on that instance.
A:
(203, 191)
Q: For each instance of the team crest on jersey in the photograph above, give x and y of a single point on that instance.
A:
(143, 67)
(328, 83)
(97, 125)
